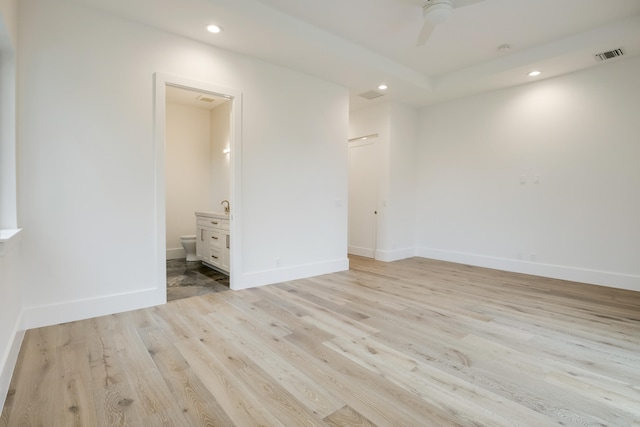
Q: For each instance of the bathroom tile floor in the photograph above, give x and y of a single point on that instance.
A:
(190, 279)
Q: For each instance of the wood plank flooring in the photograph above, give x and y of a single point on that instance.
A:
(410, 343)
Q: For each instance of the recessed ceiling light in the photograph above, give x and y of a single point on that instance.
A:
(534, 73)
(383, 87)
(213, 28)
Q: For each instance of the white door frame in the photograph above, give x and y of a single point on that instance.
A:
(161, 81)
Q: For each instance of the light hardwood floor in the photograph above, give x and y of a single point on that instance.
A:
(409, 343)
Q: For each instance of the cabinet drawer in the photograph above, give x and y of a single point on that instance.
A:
(210, 222)
(216, 238)
(213, 223)
(214, 257)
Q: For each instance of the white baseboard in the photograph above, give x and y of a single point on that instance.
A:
(595, 277)
(382, 255)
(395, 255)
(267, 277)
(176, 253)
(67, 311)
(9, 359)
(365, 252)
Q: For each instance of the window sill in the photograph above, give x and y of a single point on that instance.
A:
(7, 239)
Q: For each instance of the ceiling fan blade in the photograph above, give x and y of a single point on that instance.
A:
(463, 3)
(425, 33)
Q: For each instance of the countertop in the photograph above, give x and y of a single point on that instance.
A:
(219, 215)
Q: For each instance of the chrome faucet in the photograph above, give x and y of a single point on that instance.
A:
(227, 207)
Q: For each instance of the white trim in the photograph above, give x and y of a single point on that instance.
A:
(575, 274)
(67, 311)
(360, 142)
(360, 251)
(10, 357)
(7, 239)
(175, 253)
(161, 81)
(395, 255)
(362, 138)
(267, 277)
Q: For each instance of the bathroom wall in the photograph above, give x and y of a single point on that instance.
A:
(188, 171)
(220, 162)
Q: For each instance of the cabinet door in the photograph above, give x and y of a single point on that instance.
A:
(224, 252)
(202, 244)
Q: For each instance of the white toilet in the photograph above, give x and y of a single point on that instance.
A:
(189, 245)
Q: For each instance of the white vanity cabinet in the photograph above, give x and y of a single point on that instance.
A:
(213, 240)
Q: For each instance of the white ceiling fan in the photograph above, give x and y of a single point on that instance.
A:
(435, 12)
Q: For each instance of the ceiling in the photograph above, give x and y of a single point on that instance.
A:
(363, 43)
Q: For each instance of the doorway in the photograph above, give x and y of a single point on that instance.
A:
(363, 196)
(197, 180)
(171, 88)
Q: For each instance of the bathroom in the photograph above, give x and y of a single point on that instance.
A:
(197, 180)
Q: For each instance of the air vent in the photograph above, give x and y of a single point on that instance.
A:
(609, 55)
(204, 99)
(372, 94)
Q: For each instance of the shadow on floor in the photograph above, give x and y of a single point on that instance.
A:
(190, 279)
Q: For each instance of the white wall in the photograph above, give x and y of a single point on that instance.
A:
(87, 171)
(8, 49)
(11, 302)
(295, 197)
(8, 216)
(396, 126)
(220, 162)
(579, 134)
(188, 173)
(401, 205)
(8, 24)
(11, 312)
